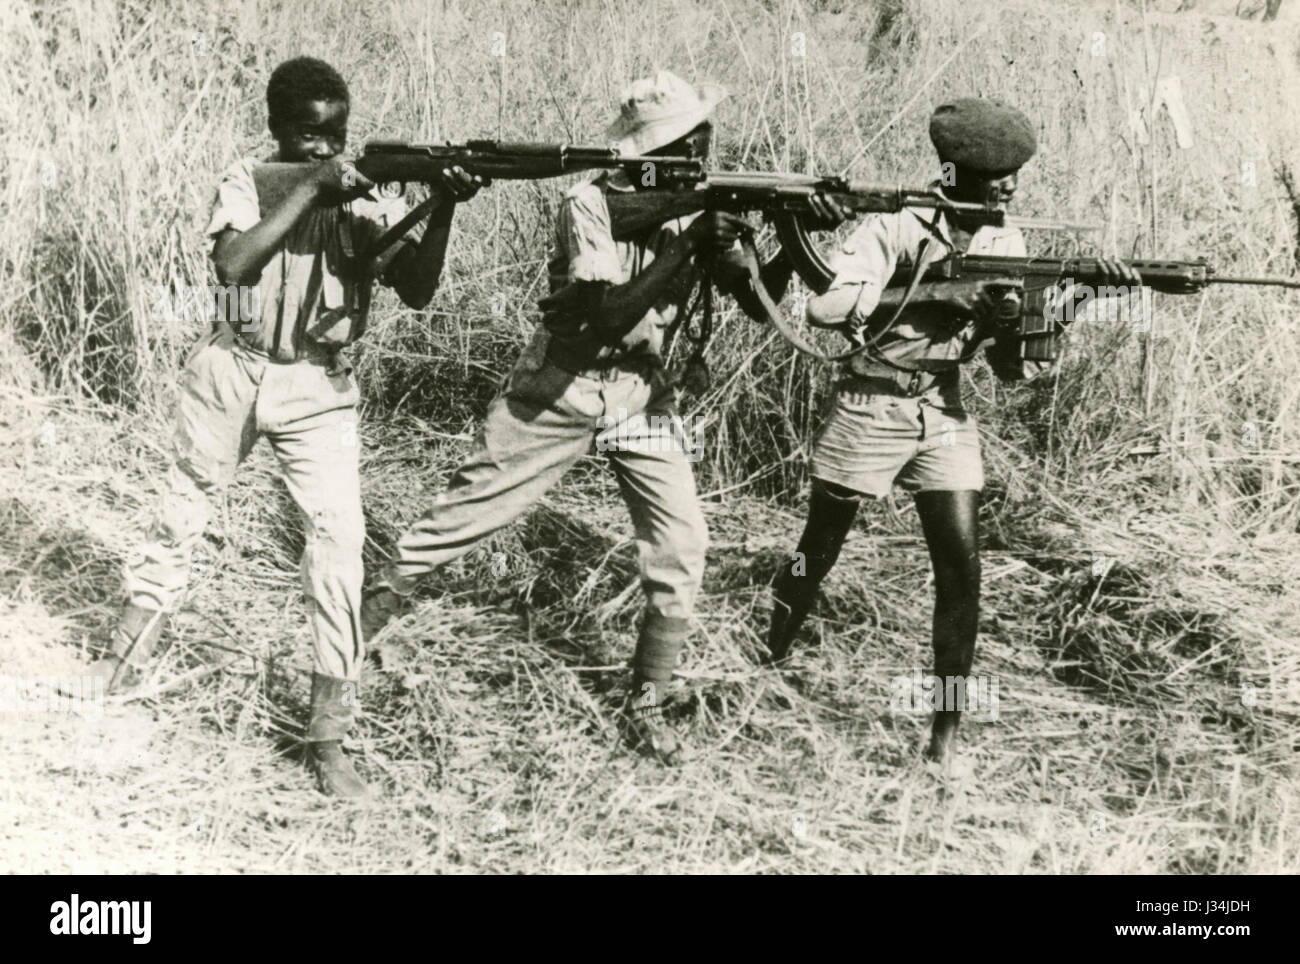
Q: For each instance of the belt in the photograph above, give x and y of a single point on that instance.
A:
(884, 380)
(331, 358)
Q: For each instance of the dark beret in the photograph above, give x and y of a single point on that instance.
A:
(984, 136)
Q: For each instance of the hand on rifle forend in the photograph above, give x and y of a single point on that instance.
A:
(1118, 274)
(459, 185)
(826, 213)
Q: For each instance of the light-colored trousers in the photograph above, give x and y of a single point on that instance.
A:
(229, 397)
(544, 421)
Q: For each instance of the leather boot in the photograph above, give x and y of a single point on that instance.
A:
(333, 701)
(124, 662)
(657, 649)
(378, 606)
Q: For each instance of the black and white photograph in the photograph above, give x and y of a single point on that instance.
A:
(650, 438)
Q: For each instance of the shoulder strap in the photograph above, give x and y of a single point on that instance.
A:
(414, 216)
(765, 311)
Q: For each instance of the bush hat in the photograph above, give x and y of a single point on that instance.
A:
(657, 110)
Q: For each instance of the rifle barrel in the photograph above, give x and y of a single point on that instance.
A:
(1050, 224)
(1277, 282)
(524, 160)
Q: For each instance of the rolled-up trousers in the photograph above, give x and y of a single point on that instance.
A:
(229, 397)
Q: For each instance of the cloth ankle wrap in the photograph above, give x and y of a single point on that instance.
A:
(137, 634)
(657, 649)
(333, 702)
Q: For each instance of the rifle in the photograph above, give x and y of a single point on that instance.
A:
(1036, 335)
(397, 162)
(785, 199)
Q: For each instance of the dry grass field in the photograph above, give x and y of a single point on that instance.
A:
(1141, 522)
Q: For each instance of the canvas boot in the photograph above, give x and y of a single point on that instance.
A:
(333, 702)
(123, 664)
(657, 649)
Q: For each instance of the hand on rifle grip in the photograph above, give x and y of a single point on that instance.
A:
(994, 300)
(337, 180)
(1001, 299)
(714, 232)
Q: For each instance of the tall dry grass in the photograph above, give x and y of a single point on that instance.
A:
(1141, 514)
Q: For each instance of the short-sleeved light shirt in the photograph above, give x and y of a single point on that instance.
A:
(867, 261)
(585, 250)
(314, 293)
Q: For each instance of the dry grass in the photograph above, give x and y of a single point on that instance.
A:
(1131, 599)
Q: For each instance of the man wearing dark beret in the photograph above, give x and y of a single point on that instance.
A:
(898, 413)
(982, 136)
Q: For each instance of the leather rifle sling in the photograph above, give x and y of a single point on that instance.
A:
(771, 314)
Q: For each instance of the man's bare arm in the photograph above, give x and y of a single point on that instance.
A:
(415, 271)
(240, 256)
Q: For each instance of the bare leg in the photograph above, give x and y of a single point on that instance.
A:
(831, 509)
(950, 521)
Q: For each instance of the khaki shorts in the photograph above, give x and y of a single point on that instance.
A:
(873, 439)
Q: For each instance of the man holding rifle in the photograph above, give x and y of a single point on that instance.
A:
(898, 413)
(595, 363)
(308, 258)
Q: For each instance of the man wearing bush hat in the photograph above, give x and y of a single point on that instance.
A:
(657, 110)
(593, 372)
(898, 414)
